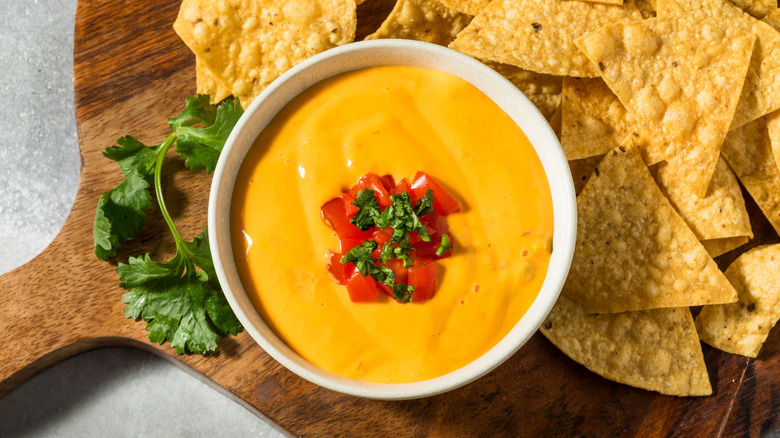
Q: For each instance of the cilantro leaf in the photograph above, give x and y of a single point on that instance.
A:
(425, 204)
(402, 252)
(360, 256)
(402, 293)
(369, 213)
(197, 110)
(445, 245)
(401, 216)
(133, 156)
(386, 254)
(175, 301)
(200, 252)
(120, 214)
(175, 313)
(200, 147)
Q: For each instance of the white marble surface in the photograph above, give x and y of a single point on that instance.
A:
(110, 392)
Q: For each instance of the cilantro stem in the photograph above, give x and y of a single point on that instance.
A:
(180, 247)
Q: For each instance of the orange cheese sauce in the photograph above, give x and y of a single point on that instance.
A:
(392, 120)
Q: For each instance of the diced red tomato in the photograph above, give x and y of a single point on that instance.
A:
(361, 288)
(423, 277)
(402, 186)
(348, 243)
(373, 182)
(333, 211)
(388, 182)
(443, 203)
(383, 236)
(401, 275)
(386, 289)
(436, 224)
(342, 271)
(348, 207)
(427, 250)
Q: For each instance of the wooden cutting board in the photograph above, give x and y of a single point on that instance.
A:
(131, 72)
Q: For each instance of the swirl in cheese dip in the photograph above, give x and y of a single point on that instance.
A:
(392, 120)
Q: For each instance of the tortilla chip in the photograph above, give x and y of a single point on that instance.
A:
(581, 170)
(657, 350)
(246, 44)
(633, 251)
(749, 153)
(773, 129)
(609, 2)
(718, 215)
(649, 147)
(471, 7)
(681, 79)
(593, 121)
(555, 122)
(646, 8)
(717, 247)
(541, 89)
(761, 92)
(756, 8)
(422, 20)
(773, 19)
(206, 83)
(742, 327)
(538, 35)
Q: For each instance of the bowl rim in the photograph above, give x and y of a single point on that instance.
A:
(365, 54)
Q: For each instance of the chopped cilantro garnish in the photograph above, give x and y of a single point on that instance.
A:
(444, 246)
(402, 293)
(404, 217)
(425, 204)
(368, 213)
(361, 257)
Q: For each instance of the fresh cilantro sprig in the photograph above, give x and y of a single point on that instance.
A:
(181, 299)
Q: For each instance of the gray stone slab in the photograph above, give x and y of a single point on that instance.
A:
(112, 392)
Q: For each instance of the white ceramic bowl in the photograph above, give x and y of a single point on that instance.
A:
(406, 53)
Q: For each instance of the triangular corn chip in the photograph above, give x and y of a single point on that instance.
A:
(761, 92)
(538, 35)
(541, 89)
(718, 215)
(657, 350)
(206, 83)
(608, 2)
(581, 170)
(246, 44)
(633, 251)
(757, 8)
(717, 247)
(773, 130)
(422, 20)
(471, 7)
(593, 122)
(773, 19)
(742, 327)
(681, 79)
(749, 153)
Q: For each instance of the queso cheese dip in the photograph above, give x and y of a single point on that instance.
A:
(392, 120)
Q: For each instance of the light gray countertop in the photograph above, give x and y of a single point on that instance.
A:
(109, 392)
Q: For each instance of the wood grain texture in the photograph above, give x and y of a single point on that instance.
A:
(131, 73)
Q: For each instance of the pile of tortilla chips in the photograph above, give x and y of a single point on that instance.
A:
(663, 108)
